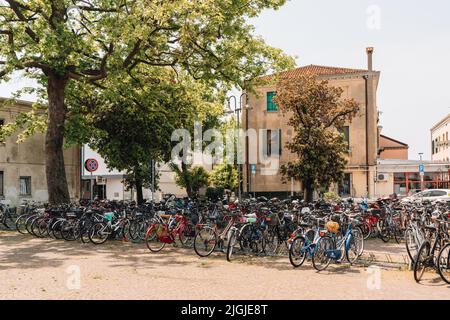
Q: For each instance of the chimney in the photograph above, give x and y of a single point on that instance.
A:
(369, 51)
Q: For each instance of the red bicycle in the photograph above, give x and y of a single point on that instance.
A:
(167, 231)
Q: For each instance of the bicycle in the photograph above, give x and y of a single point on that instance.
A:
(161, 233)
(6, 216)
(208, 237)
(428, 254)
(332, 246)
(101, 231)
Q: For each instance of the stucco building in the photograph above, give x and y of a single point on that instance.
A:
(22, 166)
(390, 148)
(362, 133)
(440, 145)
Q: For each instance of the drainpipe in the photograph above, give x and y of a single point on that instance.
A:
(366, 79)
(369, 51)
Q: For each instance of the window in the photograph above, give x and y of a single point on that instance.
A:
(345, 186)
(438, 193)
(346, 132)
(272, 143)
(25, 186)
(1, 183)
(271, 106)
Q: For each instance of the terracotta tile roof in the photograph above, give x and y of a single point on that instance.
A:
(316, 70)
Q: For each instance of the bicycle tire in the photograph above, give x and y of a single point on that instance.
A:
(444, 263)
(319, 260)
(298, 242)
(233, 239)
(412, 248)
(95, 229)
(21, 225)
(200, 236)
(151, 236)
(420, 264)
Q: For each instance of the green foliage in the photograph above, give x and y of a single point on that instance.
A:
(331, 197)
(192, 179)
(225, 176)
(121, 71)
(317, 111)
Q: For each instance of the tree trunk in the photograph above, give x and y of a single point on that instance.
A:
(138, 184)
(309, 190)
(58, 191)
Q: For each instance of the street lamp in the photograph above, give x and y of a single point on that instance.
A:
(237, 110)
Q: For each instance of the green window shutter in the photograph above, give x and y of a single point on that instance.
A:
(271, 106)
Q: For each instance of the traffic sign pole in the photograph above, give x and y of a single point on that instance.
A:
(422, 173)
(91, 165)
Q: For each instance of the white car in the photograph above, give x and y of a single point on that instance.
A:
(429, 195)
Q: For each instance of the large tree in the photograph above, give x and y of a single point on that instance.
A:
(317, 113)
(57, 42)
(129, 123)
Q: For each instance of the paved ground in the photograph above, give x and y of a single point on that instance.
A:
(33, 268)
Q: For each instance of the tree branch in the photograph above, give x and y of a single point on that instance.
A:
(15, 6)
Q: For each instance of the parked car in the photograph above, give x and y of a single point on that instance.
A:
(429, 195)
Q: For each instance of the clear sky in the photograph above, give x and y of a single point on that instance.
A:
(412, 51)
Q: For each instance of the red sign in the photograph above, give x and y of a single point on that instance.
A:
(91, 165)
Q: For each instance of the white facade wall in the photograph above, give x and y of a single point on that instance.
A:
(440, 140)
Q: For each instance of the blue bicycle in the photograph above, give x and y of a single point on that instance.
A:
(332, 246)
(304, 243)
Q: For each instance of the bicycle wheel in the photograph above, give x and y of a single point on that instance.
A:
(366, 230)
(99, 233)
(205, 242)
(245, 237)
(21, 224)
(152, 240)
(8, 220)
(444, 263)
(232, 243)
(42, 228)
(355, 246)
(321, 257)
(383, 231)
(422, 261)
(29, 223)
(185, 237)
(34, 228)
(68, 232)
(298, 251)
(412, 245)
(125, 229)
(272, 241)
(135, 226)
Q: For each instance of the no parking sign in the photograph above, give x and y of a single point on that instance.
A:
(91, 165)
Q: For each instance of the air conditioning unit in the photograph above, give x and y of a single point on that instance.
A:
(100, 180)
(382, 177)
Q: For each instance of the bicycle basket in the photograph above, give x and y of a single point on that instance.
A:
(332, 226)
(108, 216)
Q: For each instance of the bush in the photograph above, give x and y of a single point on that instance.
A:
(214, 194)
(331, 197)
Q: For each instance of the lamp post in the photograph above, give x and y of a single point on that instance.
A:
(237, 110)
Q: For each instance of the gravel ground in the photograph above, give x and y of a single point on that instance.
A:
(33, 268)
